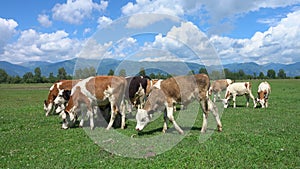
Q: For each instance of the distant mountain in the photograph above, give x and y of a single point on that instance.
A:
(13, 69)
(133, 67)
(34, 64)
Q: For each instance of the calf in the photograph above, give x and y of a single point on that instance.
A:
(238, 89)
(183, 89)
(218, 86)
(54, 91)
(264, 89)
(94, 92)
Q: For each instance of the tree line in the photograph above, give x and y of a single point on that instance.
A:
(36, 76)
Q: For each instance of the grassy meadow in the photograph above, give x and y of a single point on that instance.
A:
(251, 138)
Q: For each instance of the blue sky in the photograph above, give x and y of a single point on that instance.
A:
(238, 31)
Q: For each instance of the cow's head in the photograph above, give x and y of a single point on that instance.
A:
(69, 118)
(47, 107)
(225, 102)
(63, 97)
(142, 119)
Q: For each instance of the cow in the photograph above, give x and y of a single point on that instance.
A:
(61, 100)
(264, 89)
(150, 85)
(238, 89)
(179, 89)
(93, 92)
(218, 86)
(136, 90)
(54, 91)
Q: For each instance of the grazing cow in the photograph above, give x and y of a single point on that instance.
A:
(218, 86)
(93, 92)
(54, 91)
(238, 89)
(61, 100)
(183, 89)
(264, 89)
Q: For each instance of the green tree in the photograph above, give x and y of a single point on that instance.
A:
(28, 77)
(281, 74)
(122, 73)
(271, 74)
(261, 75)
(142, 72)
(191, 72)
(16, 79)
(241, 74)
(62, 74)
(3, 76)
(111, 72)
(202, 70)
(52, 78)
(37, 75)
(152, 76)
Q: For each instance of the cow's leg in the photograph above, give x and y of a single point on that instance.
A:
(214, 95)
(234, 100)
(171, 118)
(123, 109)
(165, 127)
(247, 100)
(114, 112)
(219, 95)
(204, 107)
(90, 114)
(253, 99)
(212, 107)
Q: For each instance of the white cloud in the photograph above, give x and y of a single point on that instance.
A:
(93, 50)
(187, 43)
(35, 46)
(44, 20)
(7, 30)
(155, 6)
(278, 44)
(216, 13)
(74, 11)
(103, 21)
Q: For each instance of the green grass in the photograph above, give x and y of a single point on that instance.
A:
(251, 138)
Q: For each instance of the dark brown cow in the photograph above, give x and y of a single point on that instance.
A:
(180, 89)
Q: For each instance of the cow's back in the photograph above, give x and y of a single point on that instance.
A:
(185, 88)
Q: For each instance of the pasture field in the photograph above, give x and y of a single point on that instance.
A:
(251, 138)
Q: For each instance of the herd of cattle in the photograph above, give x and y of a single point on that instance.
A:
(99, 96)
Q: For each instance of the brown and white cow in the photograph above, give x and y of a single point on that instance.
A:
(93, 92)
(238, 89)
(264, 89)
(183, 89)
(218, 86)
(54, 91)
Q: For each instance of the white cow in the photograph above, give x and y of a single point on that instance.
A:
(264, 89)
(238, 89)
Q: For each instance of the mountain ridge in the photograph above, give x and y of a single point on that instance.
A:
(132, 67)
